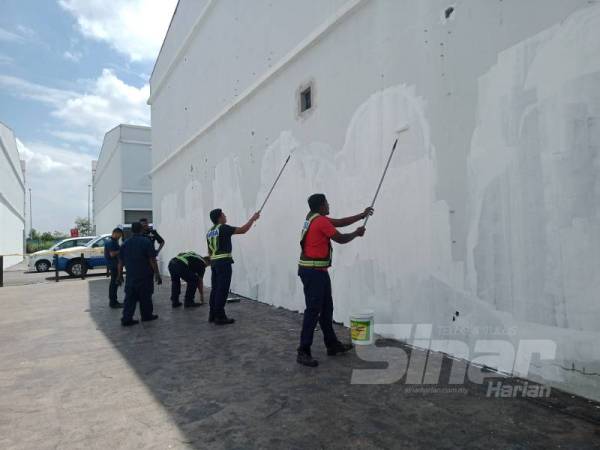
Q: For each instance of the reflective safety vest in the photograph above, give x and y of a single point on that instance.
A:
(305, 261)
(185, 257)
(213, 244)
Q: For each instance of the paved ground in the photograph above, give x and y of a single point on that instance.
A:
(18, 275)
(71, 377)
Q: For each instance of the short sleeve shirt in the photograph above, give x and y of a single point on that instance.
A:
(111, 245)
(318, 237)
(224, 242)
(154, 237)
(135, 254)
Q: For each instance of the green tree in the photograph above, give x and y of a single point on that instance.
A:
(33, 234)
(47, 236)
(83, 226)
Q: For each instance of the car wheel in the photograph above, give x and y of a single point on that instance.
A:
(76, 268)
(42, 266)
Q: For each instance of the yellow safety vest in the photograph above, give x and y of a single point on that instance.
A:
(212, 238)
(305, 261)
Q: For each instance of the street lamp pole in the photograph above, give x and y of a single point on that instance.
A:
(30, 213)
(89, 217)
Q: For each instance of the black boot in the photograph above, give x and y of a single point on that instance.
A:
(224, 320)
(129, 323)
(176, 304)
(306, 359)
(211, 316)
(115, 305)
(339, 348)
(191, 305)
(150, 319)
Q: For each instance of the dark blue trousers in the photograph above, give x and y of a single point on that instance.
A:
(113, 287)
(220, 281)
(138, 292)
(319, 307)
(178, 270)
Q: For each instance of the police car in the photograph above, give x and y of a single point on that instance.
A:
(41, 261)
(69, 260)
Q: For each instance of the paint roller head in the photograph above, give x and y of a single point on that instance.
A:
(402, 129)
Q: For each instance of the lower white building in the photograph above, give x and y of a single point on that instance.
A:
(12, 199)
(122, 191)
(488, 223)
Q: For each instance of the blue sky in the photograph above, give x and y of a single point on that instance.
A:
(70, 70)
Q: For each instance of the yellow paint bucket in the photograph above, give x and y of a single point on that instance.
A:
(361, 327)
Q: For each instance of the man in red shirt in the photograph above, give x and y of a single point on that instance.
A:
(315, 259)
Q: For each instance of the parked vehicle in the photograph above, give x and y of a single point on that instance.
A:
(42, 261)
(70, 261)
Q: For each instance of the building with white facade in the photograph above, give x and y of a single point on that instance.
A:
(488, 223)
(12, 199)
(122, 191)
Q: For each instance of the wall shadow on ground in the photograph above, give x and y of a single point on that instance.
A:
(239, 387)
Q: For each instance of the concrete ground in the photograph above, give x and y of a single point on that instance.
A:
(71, 377)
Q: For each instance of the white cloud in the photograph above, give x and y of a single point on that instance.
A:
(107, 103)
(135, 28)
(110, 102)
(25, 89)
(58, 179)
(72, 56)
(9, 36)
(6, 60)
(72, 136)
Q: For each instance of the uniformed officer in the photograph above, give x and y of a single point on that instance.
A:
(219, 250)
(138, 256)
(315, 259)
(111, 255)
(191, 267)
(153, 235)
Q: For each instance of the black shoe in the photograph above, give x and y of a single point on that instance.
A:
(115, 305)
(129, 323)
(306, 359)
(224, 321)
(151, 318)
(211, 317)
(176, 304)
(339, 348)
(192, 305)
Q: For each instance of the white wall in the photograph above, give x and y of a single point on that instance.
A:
(122, 178)
(12, 199)
(490, 207)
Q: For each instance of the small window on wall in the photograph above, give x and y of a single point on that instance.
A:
(305, 96)
(305, 100)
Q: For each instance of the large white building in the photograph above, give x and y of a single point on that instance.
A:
(12, 198)
(491, 207)
(122, 189)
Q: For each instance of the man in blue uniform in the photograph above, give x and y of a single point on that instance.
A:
(315, 258)
(219, 250)
(138, 256)
(190, 267)
(111, 255)
(153, 235)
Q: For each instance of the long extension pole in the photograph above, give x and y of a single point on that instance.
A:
(401, 130)
(276, 180)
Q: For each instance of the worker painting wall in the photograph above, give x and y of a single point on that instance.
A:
(12, 199)
(490, 205)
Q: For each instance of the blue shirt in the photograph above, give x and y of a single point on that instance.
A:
(112, 245)
(135, 255)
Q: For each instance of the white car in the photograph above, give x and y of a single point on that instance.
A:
(42, 261)
(69, 260)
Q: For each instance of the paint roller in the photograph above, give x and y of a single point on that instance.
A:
(398, 132)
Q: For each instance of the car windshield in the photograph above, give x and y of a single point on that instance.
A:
(97, 242)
